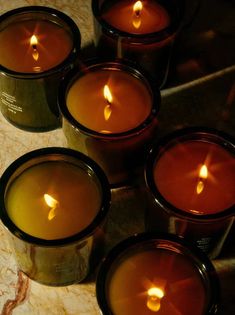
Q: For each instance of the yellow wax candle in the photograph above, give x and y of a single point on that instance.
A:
(140, 17)
(127, 104)
(53, 200)
(34, 45)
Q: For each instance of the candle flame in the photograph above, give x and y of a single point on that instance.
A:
(34, 43)
(109, 98)
(52, 203)
(203, 174)
(137, 8)
(154, 298)
(107, 94)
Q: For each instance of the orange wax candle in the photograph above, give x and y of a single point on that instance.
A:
(178, 175)
(140, 31)
(137, 17)
(178, 281)
(130, 103)
(191, 180)
(146, 275)
(109, 113)
(38, 46)
(34, 45)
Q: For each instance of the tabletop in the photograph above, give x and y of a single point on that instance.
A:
(200, 95)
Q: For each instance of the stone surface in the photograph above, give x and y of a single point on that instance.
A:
(206, 102)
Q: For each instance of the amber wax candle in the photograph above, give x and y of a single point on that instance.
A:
(152, 274)
(38, 46)
(192, 178)
(142, 31)
(109, 112)
(54, 200)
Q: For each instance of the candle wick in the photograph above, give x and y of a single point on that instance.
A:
(137, 13)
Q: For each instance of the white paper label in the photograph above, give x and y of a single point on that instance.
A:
(10, 102)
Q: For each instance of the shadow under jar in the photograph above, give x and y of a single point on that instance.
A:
(190, 178)
(38, 46)
(156, 273)
(141, 31)
(109, 112)
(54, 203)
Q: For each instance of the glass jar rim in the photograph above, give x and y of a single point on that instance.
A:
(119, 65)
(63, 153)
(54, 13)
(198, 133)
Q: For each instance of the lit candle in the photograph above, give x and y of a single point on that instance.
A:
(55, 201)
(118, 101)
(147, 274)
(140, 17)
(109, 113)
(38, 46)
(195, 174)
(191, 176)
(141, 31)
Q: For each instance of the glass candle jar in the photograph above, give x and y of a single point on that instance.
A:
(190, 176)
(38, 46)
(141, 31)
(54, 202)
(154, 273)
(109, 113)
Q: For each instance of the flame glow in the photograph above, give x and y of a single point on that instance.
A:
(203, 174)
(52, 203)
(154, 298)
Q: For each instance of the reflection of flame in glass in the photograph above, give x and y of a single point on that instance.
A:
(154, 298)
(109, 99)
(52, 203)
(203, 174)
(34, 43)
(137, 8)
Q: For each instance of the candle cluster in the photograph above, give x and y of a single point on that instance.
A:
(54, 201)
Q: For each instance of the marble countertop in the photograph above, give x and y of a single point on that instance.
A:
(206, 101)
